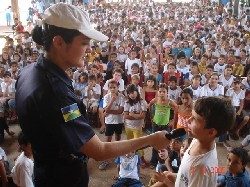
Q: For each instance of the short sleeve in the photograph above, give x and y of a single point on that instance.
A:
(3, 87)
(243, 94)
(86, 91)
(245, 142)
(126, 64)
(105, 87)
(106, 100)
(143, 106)
(126, 107)
(122, 101)
(229, 93)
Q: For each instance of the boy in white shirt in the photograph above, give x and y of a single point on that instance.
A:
(92, 94)
(22, 172)
(237, 96)
(211, 117)
(131, 60)
(219, 67)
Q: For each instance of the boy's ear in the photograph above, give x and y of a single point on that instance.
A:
(212, 132)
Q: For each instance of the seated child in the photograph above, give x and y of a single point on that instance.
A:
(22, 172)
(92, 94)
(128, 167)
(236, 175)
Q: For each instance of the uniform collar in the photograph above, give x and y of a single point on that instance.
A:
(52, 68)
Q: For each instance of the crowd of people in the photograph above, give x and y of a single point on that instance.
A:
(159, 60)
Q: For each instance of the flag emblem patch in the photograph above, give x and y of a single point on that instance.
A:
(70, 112)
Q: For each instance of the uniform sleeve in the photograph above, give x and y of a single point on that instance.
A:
(25, 176)
(126, 64)
(98, 89)
(144, 106)
(3, 87)
(221, 90)
(122, 101)
(86, 91)
(228, 93)
(243, 94)
(126, 107)
(245, 142)
(105, 87)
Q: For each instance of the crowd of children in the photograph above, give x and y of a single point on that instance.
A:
(159, 60)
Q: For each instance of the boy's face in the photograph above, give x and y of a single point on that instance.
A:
(196, 128)
(194, 69)
(91, 82)
(237, 62)
(13, 67)
(204, 59)
(236, 85)
(163, 153)
(221, 60)
(234, 164)
(182, 62)
(94, 71)
(228, 71)
(133, 54)
(196, 81)
(117, 76)
(113, 88)
(134, 81)
(209, 71)
(172, 84)
(112, 58)
(170, 60)
(171, 69)
(135, 70)
(176, 145)
(214, 79)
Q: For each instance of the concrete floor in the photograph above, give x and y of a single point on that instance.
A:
(101, 178)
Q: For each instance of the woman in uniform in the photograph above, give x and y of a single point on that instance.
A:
(52, 116)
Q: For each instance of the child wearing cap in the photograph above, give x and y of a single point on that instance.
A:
(237, 96)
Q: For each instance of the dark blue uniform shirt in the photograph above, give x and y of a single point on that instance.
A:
(50, 114)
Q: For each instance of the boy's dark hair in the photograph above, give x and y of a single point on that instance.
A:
(13, 63)
(95, 66)
(222, 56)
(113, 54)
(217, 112)
(229, 66)
(209, 66)
(135, 65)
(172, 78)
(96, 59)
(171, 64)
(118, 70)
(92, 77)
(196, 77)
(113, 81)
(22, 139)
(193, 63)
(237, 57)
(131, 89)
(242, 154)
(163, 85)
(205, 56)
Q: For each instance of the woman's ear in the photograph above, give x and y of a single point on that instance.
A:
(58, 42)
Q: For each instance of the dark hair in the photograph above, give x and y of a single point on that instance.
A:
(118, 70)
(210, 66)
(135, 65)
(193, 63)
(152, 78)
(43, 35)
(131, 89)
(242, 154)
(83, 74)
(113, 81)
(22, 139)
(171, 64)
(196, 77)
(162, 85)
(172, 78)
(95, 66)
(187, 91)
(217, 112)
(92, 77)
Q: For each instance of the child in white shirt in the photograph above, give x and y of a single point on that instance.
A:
(22, 172)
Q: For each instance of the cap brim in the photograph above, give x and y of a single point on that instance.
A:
(94, 34)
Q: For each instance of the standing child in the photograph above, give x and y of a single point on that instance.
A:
(22, 172)
(173, 90)
(161, 115)
(184, 111)
(211, 117)
(150, 89)
(154, 71)
(131, 60)
(135, 80)
(134, 113)
(237, 174)
(92, 94)
(226, 79)
(220, 66)
(237, 96)
(171, 71)
(113, 104)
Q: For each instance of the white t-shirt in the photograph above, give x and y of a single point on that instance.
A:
(219, 68)
(196, 92)
(245, 83)
(206, 91)
(96, 89)
(122, 57)
(246, 141)
(226, 82)
(129, 166)
(130, 62)
(235, 97)
(22, 172)
(119, 102)
(137, 108)
(198, 171)
(183, 70)
(12, 88)
(174, 94)
(3, 154)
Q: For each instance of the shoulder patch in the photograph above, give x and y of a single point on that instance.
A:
(70, 112)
